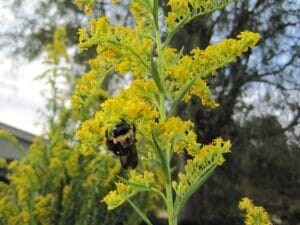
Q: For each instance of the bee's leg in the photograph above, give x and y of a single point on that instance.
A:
(134, 130)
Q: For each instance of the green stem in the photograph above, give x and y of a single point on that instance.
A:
(164, 156)
(162, 109)
(172, 218)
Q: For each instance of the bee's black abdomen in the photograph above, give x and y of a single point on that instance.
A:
(130, 160)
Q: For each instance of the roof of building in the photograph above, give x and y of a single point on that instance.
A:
(19, 134)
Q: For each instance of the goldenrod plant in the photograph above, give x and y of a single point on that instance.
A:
(163, 78)
(54, 183)
(68, 176)
(255, 215)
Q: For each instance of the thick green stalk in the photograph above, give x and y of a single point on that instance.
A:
(165, 156)
(172, 218)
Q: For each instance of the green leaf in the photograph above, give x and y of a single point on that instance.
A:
(180, 95)
(139, 212)
(179, 54)
(155, 76)
(140, 187)
(155, 13)
(134, 186)
(162, 157)
(179, 203)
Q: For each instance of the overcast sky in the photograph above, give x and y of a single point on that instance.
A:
(20, 97)
(20, 94)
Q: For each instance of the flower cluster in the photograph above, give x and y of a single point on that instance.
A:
(45, 207)
(177, 135)
(123, 192)
(184, 10)
(87, 4)
(57, 49)
(255, 215)
(87, 91)
(2, 163)
(141, 14)
(202, 164)
(201, 63)
(127, 106)
(121, 49)
(53, 183)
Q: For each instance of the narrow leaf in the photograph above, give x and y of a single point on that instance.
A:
(155, 76)
(159, 152)
(180, 95)
(135, 186)
(139, 212)
(155, 12)
(140, 187)
(192, 188)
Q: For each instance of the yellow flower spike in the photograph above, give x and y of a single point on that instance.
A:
(3, 163)
(87, 4)
(44, 208)
(255, 215)
(24, 218)
(123, 192)
(206, 159)
(180, 132)
(201, 63)
(72, 164)
(55, 164)
(57, 49)
(83, 36)
(141, 14)
(171, 20)
(123, 189)
(179, 7)
(113, 200)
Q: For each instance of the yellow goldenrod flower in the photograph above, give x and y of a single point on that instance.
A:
(179, 7)
(88, 5)
(57, 49)
(115, 198)
(44, 208)
(255, 215)
(207, 158)
(2, 163)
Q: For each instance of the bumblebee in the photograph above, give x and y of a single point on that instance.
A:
(121, 141)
